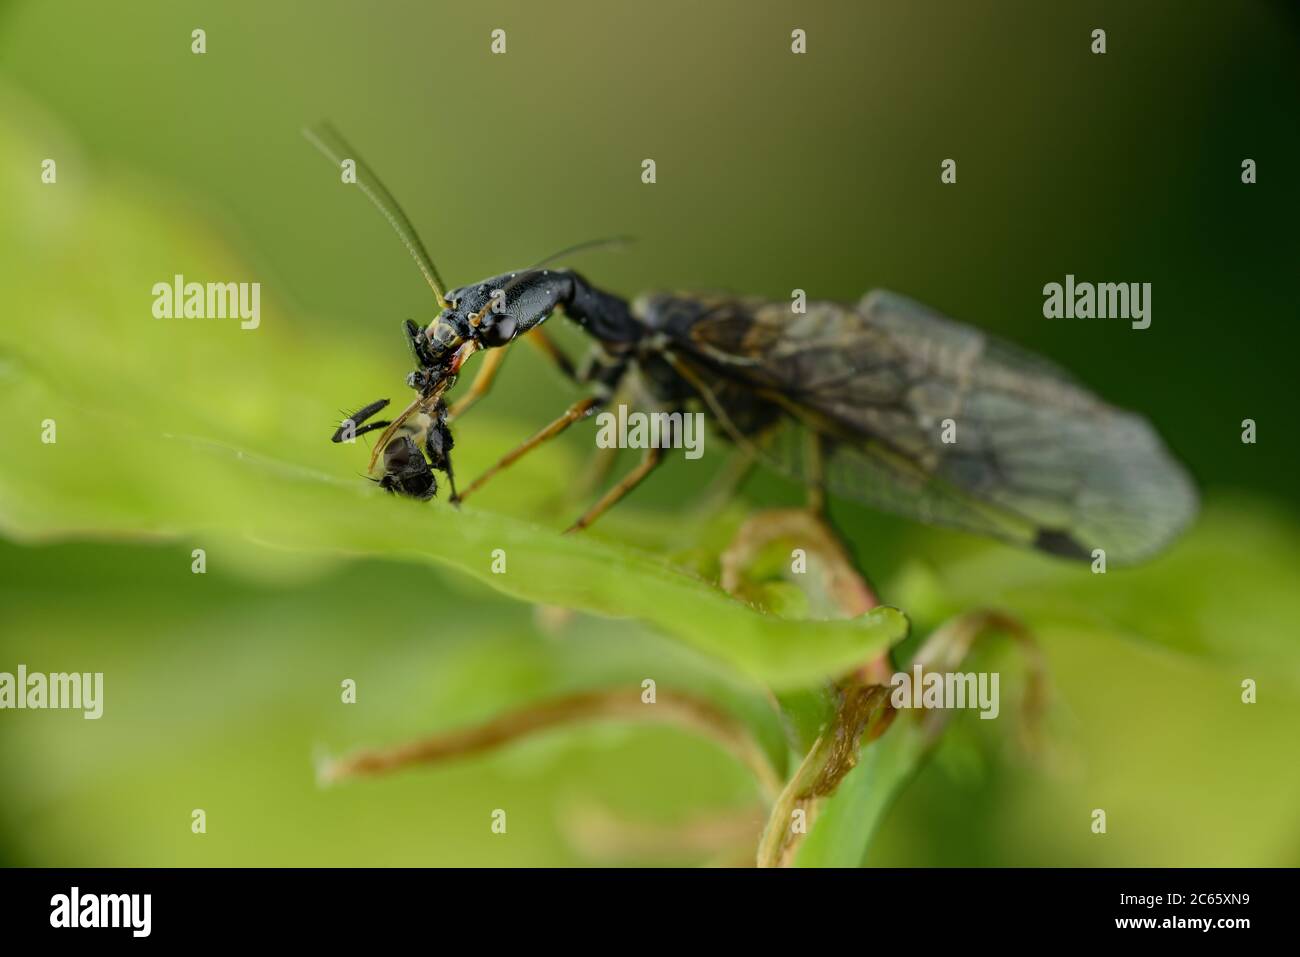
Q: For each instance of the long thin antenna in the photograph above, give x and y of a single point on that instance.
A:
(335, 148)
(609, 241)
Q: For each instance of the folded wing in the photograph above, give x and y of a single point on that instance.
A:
(934, 420)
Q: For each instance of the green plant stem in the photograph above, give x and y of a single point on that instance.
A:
(848, 778)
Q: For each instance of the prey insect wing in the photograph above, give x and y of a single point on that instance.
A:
(1033, 457)
(335, 148)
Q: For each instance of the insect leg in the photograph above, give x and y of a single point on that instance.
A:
(371, 426)
(419, 344)
(816, 478)
(549, 349)
(602, 461)
(708, 397)
(451, 480)
(481, 385)
(483, 381)
(579, 410)
(724, 485)
(598, 468)
(349, 425)
(649, 462)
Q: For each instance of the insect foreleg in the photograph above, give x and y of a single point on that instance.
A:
(419, 343)
(348, 428)
(483, 381)
(546, 347)
(579, 410)
(371, 426)
(451, 480)
(481, 385)
(816, 473)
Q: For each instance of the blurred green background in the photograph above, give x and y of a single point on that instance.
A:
(775, 171)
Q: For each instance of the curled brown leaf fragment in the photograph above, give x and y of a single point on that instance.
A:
(864, 712)
(620, 704)
(948, 646)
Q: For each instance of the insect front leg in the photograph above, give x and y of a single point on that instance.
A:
(451, 481)
(437, 446)
(816, 479)
(486, 376)
(419, 343)
(481, 385)
(577, 411)
(539, 339)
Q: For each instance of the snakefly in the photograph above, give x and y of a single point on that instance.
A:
(848, 398)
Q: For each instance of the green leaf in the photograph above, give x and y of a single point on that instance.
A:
(218, 687)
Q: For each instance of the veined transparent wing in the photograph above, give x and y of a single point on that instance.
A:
(934, 420)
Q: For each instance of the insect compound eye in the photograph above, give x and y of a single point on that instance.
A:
(421, 485)
(400, 454)
(444, 333)
(406, 471)
(499, 332)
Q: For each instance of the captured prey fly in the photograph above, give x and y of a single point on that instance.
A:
(884, 401)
